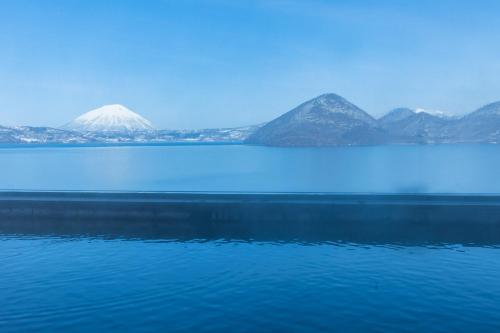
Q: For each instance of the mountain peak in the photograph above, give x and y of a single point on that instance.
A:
(110, 118)
(330, 104)
(329, 96)
(396, 115)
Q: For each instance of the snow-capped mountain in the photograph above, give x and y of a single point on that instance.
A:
(326, 120)
(110, 118)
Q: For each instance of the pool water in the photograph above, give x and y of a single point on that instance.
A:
(110, 283)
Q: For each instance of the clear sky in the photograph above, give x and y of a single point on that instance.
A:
(194, 64)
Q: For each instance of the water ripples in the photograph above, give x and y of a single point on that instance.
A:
(86, 284)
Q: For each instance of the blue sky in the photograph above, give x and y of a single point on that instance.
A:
(194, 64)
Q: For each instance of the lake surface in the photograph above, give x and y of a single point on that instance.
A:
(384, 169)
(113, 284)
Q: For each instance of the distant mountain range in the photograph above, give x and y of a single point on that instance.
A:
(327, 120)
(47, 135)
(330, 120)
(117, 124)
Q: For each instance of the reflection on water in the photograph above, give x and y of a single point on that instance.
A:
(126, 283)
(410, 169)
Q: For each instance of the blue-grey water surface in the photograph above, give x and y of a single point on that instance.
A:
(389, 169)
(99, 284)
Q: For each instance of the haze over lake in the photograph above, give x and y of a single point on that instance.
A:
(385, 169)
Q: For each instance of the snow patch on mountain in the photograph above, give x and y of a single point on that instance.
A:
(435, 113)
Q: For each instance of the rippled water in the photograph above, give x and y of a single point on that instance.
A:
(432, 168)
(105, 283)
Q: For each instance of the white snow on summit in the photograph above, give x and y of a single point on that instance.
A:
(436, 113)
(110, 118)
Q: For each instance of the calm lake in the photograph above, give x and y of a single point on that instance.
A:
(388, 169)
(104, 278)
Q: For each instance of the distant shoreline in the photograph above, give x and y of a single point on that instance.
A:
(121, 144)
(224, 143)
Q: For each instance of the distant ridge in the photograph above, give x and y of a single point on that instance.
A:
(331, 120)
(482, 125)
(419, 127)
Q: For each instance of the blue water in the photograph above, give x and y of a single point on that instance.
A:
(419, 169)
(112, 284)
(95, 278)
